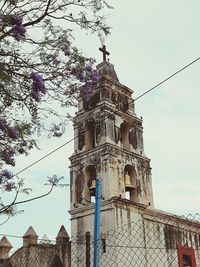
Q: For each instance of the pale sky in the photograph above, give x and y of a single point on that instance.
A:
(150, 40)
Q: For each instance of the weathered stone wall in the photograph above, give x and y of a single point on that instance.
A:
(34, 256)
(134, 235)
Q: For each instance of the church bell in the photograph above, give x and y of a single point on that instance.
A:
(93, 187)
(128, 184)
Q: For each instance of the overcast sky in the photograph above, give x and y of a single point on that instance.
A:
(150, 40)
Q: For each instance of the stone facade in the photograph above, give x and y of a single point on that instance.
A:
(34, 254)
(109, 146)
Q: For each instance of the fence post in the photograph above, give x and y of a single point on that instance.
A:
(97, 223)
(87, 239)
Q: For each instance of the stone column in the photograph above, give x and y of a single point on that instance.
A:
(30, 237)
(5, 248)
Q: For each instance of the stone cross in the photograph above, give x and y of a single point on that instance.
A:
(103, 50)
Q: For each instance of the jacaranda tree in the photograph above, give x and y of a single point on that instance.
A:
(40, 66)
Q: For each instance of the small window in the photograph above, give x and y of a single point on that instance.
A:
(89, 184)
(187, 260)
(186, 256)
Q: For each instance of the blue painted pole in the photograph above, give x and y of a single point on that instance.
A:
(97, 223)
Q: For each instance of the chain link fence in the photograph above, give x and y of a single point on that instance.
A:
(146, 242)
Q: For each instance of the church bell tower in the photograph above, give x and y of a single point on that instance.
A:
(108, 145)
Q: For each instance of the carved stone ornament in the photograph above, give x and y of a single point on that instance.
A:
(120, 101)
(133, 138)
(118, 122)
(138, 187)
(79, 184)
(89, 104)
(96, 161)
(98, 134)
(81, 140)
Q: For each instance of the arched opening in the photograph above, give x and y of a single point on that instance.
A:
(124, 134)
(90, 183)
(130, 178)
(89, 135)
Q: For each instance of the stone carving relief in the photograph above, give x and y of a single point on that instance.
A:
(113, 161)
(99, 133)
(140, 138)
(118, 122)
(144, 171)
(81, 136)
(117, 134)
(90, 103)
(114, 97)
(120, 101)
(105, 94)
(79, 186)
(94, 100)
(133, 139)
(81, 140)
(96, 162)
(138, 187)
(145, 183)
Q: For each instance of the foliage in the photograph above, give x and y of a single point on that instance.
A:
(40, 66)
(9, 208)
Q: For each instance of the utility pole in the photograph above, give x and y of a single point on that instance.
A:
(97, 223)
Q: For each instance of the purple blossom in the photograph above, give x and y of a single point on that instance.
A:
(16, 20)
(94, 76)
(66, 50)
(88, 68)
(56, 61)
(9, 186)
(19, 32)
(9, 160)
(54, 58)
(35, 95)
(14, 134)
(38, 83)
(67, 53)
(2, 124)
(36, 77)
(81, 77)
(24, 143)
(12, 162)
(74, 71)
(21, 150)
(7, 174)
(7, 156)
(78, 74)
(91, 60)
(87, 91)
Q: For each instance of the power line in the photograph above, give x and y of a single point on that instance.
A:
(21, 237)
(166, 79)
(151, 89)
(37, 161)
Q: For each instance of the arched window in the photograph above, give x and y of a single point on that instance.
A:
(130, 178)
(124, 135)
(89, 183)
